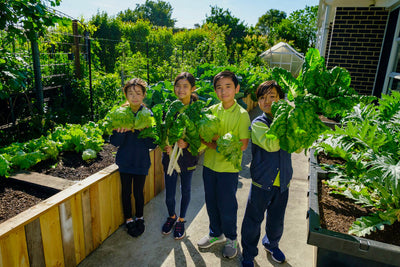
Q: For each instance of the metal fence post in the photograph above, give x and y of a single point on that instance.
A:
(76, 49)
(37, 73)
(89, 57)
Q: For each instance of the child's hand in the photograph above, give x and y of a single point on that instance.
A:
(182, 144)
(124, 130)
(168, 149)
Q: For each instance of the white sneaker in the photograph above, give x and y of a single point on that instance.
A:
(208, 241)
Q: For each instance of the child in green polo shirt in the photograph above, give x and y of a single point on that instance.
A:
(220, 176)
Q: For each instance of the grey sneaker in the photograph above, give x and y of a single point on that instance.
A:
(208, 241)
(230, 250)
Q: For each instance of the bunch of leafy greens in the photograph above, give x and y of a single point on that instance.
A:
(119, 117)
(315, 91)
(369, 142)
(123, 117)
(296, 127)
(230, 147)
(208, 127)
(144, 118)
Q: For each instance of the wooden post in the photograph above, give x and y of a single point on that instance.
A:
(76, 49)
(37, 73)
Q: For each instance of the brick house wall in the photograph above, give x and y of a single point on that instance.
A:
(354, 43)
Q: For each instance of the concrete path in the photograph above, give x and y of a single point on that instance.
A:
(154, 249)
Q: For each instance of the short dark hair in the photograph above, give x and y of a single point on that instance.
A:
(266, 86)
(133, 82)
(225, 74)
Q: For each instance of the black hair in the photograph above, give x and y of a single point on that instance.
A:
(225, 74)
(190, 78)
(266, 86)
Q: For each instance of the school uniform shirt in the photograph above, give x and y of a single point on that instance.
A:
(270, 165)
(133, 152)
(235, 120)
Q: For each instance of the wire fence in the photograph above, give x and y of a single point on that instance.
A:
(65, 61)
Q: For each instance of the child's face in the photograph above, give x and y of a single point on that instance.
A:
(265, 101)
(226, 90)
(135, 96)
(183, 90)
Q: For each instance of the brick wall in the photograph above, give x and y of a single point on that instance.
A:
(354, 42)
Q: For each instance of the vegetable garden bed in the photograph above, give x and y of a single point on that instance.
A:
(65, 228)
(330, 219)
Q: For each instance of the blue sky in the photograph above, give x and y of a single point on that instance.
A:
(187, 12)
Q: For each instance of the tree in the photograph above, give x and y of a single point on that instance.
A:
(269, 19)
(109, 31)
(236, 28)
(300, 27)
(158, 13)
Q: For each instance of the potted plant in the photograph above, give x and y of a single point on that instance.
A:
(368, 142)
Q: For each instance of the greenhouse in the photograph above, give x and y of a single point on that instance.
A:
(284, 56)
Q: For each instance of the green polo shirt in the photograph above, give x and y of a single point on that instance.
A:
(235, 120)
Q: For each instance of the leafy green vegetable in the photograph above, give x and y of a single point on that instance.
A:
(119, 117)
(4, 166)
(230, 147)
(208, 127)
(144, 119)
(89, 154)
(369, 142)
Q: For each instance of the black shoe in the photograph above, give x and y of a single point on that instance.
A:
(139, 228)
(168, 226)
(131, 227)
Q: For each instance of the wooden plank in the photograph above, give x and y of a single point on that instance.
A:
(34, 243)
(95, 215)
(67, 233)
(42, 180)
(116, 203)
(13, 249)
(51, 236)
(77, 222)
(87, 222)
(159, 171)
(34, 212)
(105, 209)
(151, 175)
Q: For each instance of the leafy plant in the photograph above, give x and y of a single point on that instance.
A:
(369, 143)
(230, 147)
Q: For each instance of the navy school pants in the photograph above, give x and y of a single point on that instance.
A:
(170, 191)
(273, 204)
(220, 196)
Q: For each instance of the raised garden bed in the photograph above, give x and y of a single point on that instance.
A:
(63, 229)
(328, 225)
(16, 196)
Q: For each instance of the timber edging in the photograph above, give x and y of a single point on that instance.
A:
(63, 229)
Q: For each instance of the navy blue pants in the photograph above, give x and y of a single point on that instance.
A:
(126, 186)
(170, 191)
(220, 196)
(273, 204)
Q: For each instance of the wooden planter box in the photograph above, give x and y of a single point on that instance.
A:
(63, 229)
(249, 102)
(337, 249)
